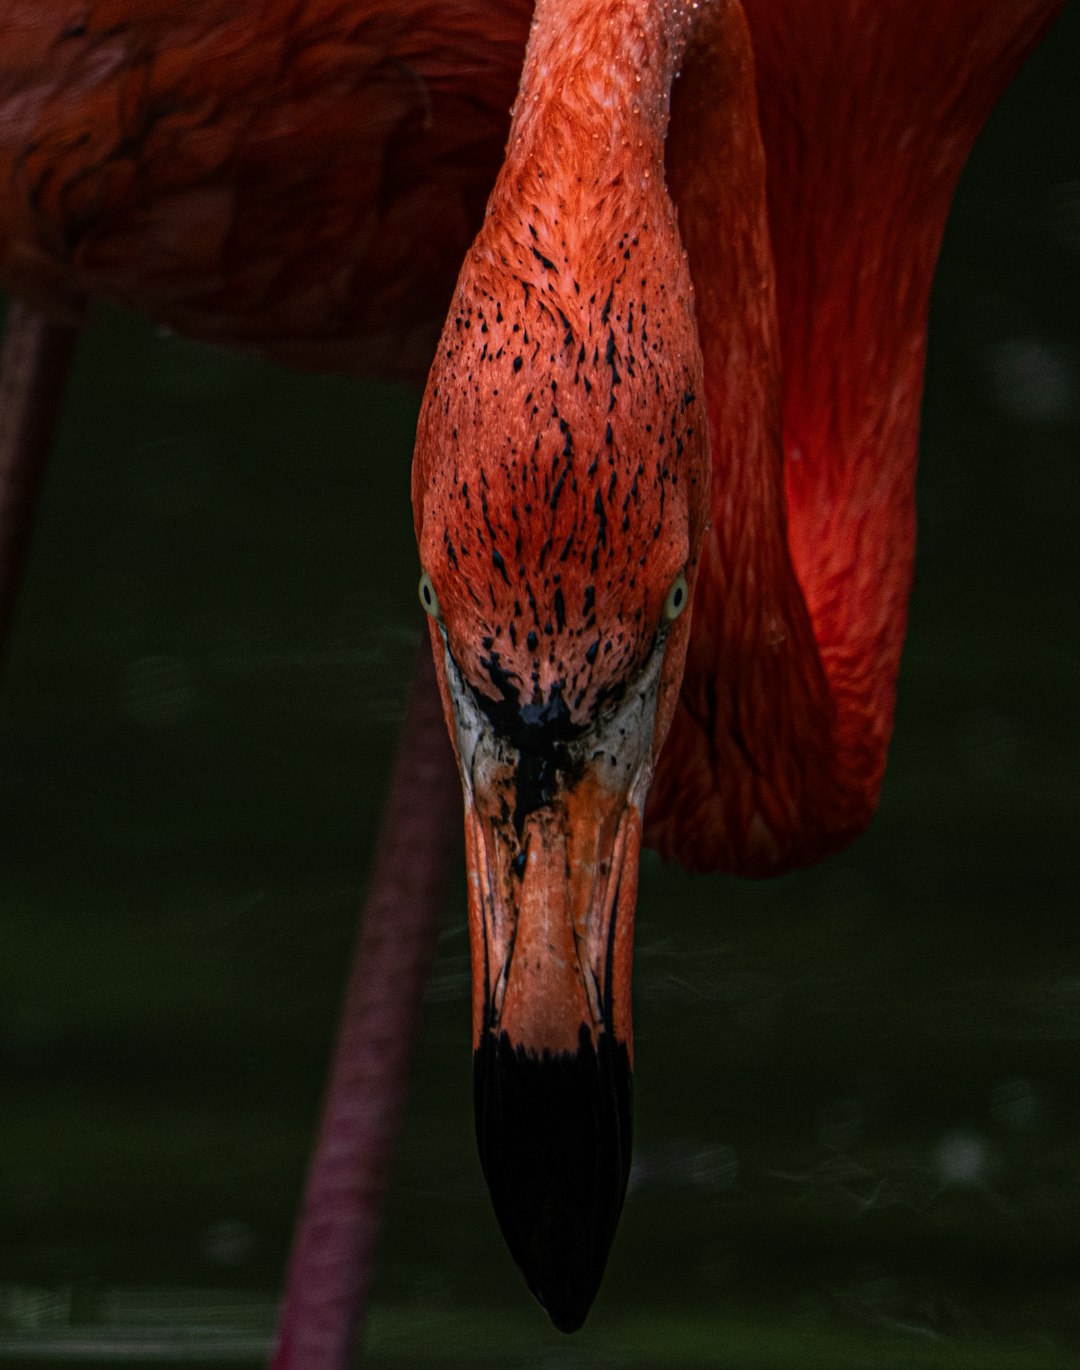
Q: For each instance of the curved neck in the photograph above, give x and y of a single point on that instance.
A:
(750, 778)
(779, 747)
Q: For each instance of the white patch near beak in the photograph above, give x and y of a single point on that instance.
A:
(617, 748)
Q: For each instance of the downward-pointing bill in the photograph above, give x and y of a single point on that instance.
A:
(553, 834)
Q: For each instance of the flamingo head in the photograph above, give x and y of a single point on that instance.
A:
(559, 490)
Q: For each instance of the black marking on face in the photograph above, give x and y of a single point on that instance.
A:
(540, 734)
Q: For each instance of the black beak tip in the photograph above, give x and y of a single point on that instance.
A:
(554, 1139)
(568, 1320)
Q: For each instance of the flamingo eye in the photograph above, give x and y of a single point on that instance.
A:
(678, 597)
(428, 598)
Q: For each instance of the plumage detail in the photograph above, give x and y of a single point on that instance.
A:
(868, 113)
(299, 179)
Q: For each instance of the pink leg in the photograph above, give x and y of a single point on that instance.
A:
(333, 1252)
(33, 368)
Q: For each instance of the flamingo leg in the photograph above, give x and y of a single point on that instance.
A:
(333, 1252)
(34, 365)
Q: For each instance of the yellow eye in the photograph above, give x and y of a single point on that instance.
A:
(428, 598)
(678, 597)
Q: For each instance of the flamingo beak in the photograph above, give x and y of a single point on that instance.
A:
(551, 919)
(553, 835)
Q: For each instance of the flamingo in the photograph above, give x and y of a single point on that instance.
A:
(603, 358)
(664, 466)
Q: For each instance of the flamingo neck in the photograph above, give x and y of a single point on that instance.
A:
(750, 778)
(597, 79)
(585, 153)
(814, 379)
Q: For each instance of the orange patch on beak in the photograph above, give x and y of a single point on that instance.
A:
(551, 916)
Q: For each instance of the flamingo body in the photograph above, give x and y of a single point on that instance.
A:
(300, 180)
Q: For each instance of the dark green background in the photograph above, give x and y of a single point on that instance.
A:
(858, 1118)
